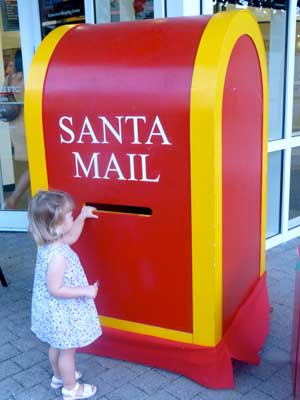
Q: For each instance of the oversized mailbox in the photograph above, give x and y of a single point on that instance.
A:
(162, 126)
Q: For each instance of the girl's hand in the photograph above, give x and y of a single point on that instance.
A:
(87, 212)
(92, 290)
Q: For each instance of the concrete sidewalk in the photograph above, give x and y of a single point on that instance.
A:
(25, 372)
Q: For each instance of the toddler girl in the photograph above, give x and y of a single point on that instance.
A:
(63, 310)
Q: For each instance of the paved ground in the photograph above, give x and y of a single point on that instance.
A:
(25, 373)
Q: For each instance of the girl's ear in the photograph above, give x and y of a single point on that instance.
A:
(59, 230)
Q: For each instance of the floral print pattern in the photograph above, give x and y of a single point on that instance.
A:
(63, 323)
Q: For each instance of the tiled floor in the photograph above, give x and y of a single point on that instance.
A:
(25, 373)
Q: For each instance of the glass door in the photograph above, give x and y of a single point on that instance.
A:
(14, 175)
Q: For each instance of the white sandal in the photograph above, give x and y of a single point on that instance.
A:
(88, 391)
(57, 383)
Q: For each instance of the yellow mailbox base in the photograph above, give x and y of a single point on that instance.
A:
(209, 366)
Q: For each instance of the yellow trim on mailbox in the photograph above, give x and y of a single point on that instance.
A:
(264, 160)
(150, 330)
(219, 37)
(33, 108)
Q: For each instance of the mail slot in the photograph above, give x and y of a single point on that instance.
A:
(161, 125)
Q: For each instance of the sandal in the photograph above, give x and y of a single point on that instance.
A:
(88, 391)
(57, 383)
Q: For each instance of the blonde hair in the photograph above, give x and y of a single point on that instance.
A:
(46, 213)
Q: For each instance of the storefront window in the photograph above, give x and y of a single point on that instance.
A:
(54, 13)
(123, 10)
(294, 209)
(274, 193)
(294, 204)
(14, 176)
(296, 103)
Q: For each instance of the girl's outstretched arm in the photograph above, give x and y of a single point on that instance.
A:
(86, 212)
(55, 281)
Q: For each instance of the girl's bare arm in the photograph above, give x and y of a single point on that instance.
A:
(55, 281)
(72, 236)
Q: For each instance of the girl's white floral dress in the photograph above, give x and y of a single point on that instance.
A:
(63, 323)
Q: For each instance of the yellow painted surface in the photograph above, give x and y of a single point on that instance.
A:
(220, 36)
(149, 330)
(33, 108)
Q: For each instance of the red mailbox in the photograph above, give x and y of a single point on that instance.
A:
(162, 126)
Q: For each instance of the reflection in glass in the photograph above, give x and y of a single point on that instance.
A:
(14, 175)
(274, 193)
(276, 70)
(123, 10)
(296, 103)
(294, 206)
(9, 15)
(54, 13)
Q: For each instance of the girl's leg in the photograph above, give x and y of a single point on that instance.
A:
(53, 358)
(66, 364)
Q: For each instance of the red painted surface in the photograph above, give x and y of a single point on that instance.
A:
(241, 179)
(130, 69)
(209, 366)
